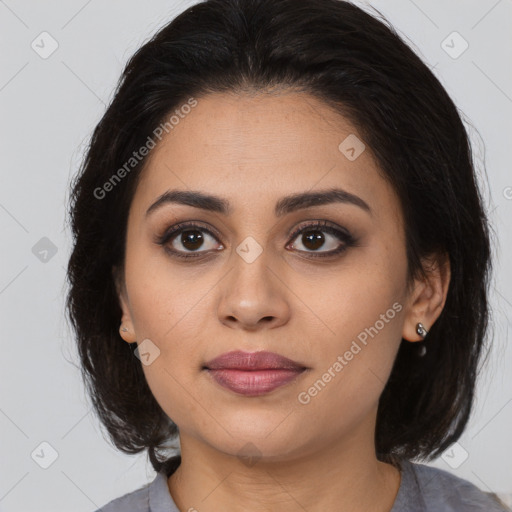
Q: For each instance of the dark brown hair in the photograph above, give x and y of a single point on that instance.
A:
(360, 66)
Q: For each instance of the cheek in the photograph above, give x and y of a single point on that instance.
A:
(172, 375)
(165, 298)
(354, 364)
(169, 310)
(362, 309)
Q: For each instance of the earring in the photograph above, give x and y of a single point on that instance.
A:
(420, 329)
(124, 329)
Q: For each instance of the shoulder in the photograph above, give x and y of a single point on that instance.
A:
(135, 501)
(444, 492)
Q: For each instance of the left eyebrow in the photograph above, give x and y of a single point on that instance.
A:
(285, 205)
(299, 201)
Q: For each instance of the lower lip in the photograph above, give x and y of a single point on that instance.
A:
(253, 382)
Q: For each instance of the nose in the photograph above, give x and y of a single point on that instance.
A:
(254, 296)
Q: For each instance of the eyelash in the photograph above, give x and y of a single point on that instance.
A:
(325, 226)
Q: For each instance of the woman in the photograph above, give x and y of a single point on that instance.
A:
(281, 264)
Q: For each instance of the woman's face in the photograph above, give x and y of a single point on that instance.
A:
(251, 284)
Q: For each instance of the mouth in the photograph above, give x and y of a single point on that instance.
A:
(253, 373)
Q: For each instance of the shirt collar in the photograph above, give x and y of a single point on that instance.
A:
(409, 492)
(160, 499)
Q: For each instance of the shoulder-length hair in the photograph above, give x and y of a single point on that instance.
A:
(358, 65)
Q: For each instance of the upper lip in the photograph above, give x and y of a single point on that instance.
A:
(262, 360)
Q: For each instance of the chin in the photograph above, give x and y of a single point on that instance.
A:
(272, 441)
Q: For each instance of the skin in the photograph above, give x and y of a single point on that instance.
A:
(253, 150)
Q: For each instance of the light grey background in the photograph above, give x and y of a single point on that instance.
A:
(48, 110)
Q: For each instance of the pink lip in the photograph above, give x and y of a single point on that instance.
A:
(253, 373)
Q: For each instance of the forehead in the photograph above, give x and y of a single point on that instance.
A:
(260, 147)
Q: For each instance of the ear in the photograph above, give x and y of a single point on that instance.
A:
(428, 296)
(126, 320)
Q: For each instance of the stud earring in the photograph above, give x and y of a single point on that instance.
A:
(420, 329)
(124, 329)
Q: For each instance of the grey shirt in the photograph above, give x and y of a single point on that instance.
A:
(422, 489)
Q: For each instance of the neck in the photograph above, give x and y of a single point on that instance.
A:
(343, 475)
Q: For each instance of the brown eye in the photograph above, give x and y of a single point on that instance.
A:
(321, 235)
(189, 241)
(313, 240)
(193, 240)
